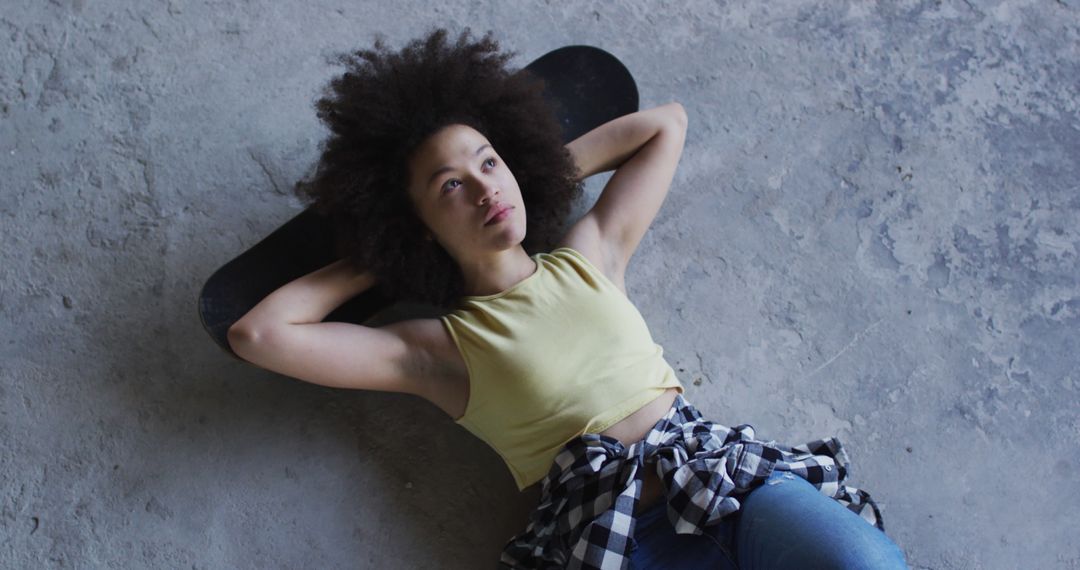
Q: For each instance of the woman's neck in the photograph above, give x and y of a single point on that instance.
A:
(497, 272)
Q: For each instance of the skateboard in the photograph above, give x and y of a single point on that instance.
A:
(586, 87)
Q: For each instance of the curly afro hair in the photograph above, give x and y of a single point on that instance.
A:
(383, 107)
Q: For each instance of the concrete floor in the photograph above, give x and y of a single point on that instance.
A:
(873, 234)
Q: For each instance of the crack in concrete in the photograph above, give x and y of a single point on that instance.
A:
(701, 367)
(265, 170)
(854, 340)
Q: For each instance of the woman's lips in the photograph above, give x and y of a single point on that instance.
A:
(500, 216)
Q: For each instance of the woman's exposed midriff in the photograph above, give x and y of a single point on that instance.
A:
(634, 428)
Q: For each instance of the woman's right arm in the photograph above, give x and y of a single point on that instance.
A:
(307, 299)
(284, 334)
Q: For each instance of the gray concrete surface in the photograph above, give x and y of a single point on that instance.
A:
(873, 234)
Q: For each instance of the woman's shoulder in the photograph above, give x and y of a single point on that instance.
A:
(593, 251)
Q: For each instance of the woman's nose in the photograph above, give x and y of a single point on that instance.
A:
(488, 190)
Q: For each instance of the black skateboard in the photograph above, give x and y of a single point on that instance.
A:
(587, 87)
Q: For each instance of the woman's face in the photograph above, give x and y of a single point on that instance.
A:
(457, 181)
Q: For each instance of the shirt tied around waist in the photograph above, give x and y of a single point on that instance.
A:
(585, 515)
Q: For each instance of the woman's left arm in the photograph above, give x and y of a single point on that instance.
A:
(612, 143)
(644, 149)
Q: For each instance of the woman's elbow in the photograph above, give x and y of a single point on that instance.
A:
(240, 335)
(679, 114)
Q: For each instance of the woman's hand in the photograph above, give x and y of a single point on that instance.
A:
(612, 143)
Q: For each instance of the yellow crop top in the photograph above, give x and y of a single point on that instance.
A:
(561, 353)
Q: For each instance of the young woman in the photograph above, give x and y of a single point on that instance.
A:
(438, 162)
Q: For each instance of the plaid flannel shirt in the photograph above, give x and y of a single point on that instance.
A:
(585, 516)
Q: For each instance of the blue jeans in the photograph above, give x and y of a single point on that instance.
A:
(784, 523)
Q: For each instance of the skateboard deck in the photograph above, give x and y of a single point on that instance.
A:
(586, 86)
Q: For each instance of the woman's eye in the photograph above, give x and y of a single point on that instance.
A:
(446, 186)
